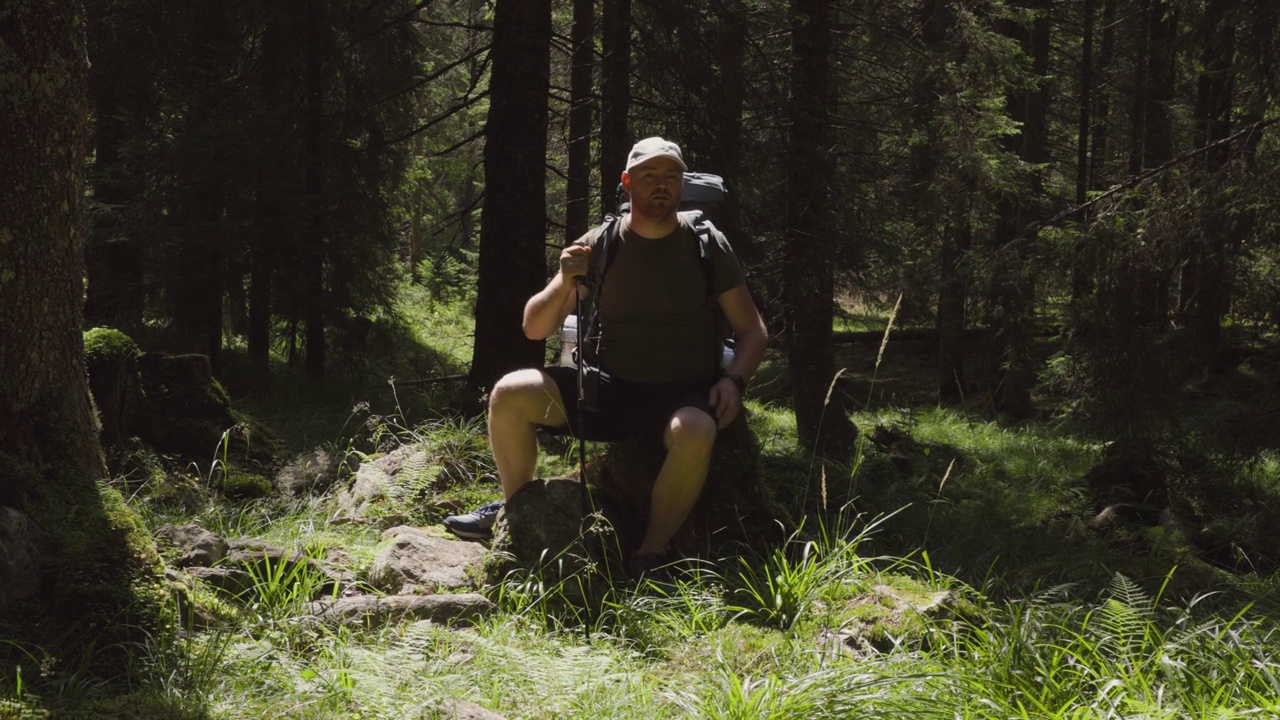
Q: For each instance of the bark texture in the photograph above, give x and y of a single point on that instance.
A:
(50, 460)
(514, 219)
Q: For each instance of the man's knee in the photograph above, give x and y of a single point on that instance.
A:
(691, 429)
(528, 394)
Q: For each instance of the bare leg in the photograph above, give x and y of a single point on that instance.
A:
(689, 438)
(518, 404)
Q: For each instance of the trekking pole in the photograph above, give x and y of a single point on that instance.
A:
(581, 396)
(584, 498)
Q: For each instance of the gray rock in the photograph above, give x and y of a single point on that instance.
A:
(199, 547)
(232, 581)
(314, 472)
(22, 552)
(370, 611)
(379, 483)
(263, 561)
(542, 526)
(411, 559)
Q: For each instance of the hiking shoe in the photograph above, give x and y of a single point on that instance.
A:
(649, 566)
(475, 525)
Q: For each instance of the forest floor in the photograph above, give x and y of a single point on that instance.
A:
(954, 566)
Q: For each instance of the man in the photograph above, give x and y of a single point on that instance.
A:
(659, 343)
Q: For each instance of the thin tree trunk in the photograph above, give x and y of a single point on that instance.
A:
(259, 335)
(269, 232)
(1081, 267)
(726, 148)
(578, 190)
(940, 216)
(313, 189)
(807, 279)
(1152, 275)
(1016, 285)
(115, 289)
(415, 232)
(953, 293)
(615, 98)
(1099, 255)
(1205, 281)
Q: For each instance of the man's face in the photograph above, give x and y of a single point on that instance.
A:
(654, 186)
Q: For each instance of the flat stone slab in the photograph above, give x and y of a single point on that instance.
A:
(370, 611)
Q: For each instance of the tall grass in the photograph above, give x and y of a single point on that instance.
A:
(1127, 656)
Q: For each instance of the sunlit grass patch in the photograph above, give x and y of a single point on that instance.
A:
(447, 328)
(774, 426)
(1038, 453)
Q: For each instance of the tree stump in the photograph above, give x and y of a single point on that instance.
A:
(736, 507)
(111, 359)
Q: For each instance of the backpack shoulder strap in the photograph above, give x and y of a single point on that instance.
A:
(704, 230)
(603, 252)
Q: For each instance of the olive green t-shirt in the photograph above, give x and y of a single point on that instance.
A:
(656, 323)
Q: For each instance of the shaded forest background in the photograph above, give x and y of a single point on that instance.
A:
(1099, 172)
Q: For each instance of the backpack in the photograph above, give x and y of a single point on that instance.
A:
(700, 194)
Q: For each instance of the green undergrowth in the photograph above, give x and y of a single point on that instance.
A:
(936, 575)
(821, 628)
(946, 569)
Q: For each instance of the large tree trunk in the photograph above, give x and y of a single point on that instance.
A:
(577, 209)
(615, 98)
(514, 219)
(50, 460)
(808, 284)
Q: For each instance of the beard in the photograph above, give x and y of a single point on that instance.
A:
(659, 208)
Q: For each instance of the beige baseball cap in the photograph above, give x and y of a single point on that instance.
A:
(653, 147)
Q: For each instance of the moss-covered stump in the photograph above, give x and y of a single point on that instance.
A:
(111, 358)
(174, 405)
(187, 412)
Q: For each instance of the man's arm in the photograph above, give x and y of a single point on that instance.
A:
(750, 337)
(545, 312)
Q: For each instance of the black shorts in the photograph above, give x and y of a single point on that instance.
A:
(626, 409)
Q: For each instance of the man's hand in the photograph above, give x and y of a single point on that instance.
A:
(574, 261)
(726, 401)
